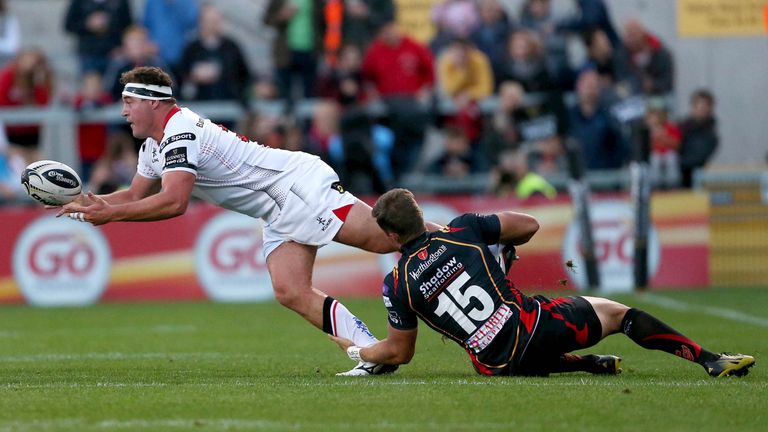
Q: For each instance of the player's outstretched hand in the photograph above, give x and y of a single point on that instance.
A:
(343, 343)
(90, 208)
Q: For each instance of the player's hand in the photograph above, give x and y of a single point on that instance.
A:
(343, 343)
(91, 208)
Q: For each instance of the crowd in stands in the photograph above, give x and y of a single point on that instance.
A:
(499, 91)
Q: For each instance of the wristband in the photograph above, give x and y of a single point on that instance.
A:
(354, 353)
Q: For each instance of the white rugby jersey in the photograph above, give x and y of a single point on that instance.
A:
(232, 172)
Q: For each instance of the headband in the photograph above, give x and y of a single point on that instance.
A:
(148, 91)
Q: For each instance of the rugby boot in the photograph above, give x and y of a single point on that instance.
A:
(729, 364)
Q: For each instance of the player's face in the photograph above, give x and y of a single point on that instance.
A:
(138, 114)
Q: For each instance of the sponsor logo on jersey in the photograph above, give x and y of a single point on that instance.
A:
(177, 158)
(337, 187)
(427, 262)
(423, 255)
(173, 138)
(442, 274)
(387, 301)
(483, 337)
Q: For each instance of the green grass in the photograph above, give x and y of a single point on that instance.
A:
(203, 366)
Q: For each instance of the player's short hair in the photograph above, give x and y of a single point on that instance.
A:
(397, 212)
(705, 94)
(148, 75)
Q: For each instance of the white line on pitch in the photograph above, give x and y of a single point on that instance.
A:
(682, 306)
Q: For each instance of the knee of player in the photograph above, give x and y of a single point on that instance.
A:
(286, 295)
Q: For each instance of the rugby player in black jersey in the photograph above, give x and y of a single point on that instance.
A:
(451, 280)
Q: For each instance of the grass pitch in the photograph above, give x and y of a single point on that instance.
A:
(204, 366)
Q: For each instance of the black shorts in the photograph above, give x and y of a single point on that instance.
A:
(564, 324)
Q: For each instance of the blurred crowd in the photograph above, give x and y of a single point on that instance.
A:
(495, 93)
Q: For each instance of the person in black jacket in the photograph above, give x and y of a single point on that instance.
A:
(212, 66)
(700, 139)
(98, 26)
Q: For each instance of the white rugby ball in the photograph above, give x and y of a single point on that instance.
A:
(51, 182)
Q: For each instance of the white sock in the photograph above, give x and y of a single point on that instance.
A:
(339, 321)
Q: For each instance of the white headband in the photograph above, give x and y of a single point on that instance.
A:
(147, 91)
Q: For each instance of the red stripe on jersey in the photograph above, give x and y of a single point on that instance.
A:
(170, 114)
(343, 212)
(482, 369)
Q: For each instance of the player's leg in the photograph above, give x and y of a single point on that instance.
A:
(361, 231)
(651, 333)
(290, 267)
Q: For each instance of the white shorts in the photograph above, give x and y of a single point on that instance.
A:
(313, 212)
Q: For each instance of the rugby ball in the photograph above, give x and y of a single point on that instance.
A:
(51, 182)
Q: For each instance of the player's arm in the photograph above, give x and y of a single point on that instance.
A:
(516, 228)
(398, 348)
(139, 203)
(141, 187)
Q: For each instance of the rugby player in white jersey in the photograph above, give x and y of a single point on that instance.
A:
(296, 194)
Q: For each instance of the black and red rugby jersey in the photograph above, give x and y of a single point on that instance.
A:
(452, 281)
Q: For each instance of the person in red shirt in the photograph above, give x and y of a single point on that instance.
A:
(400, 71)
(665, 139)
(26, 81)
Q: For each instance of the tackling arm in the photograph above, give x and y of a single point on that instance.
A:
(398, 348)
(516, 228)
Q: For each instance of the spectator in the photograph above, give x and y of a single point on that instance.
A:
(593, 128)
(458, 160)
(136, 50)
(98, 26)
(92, 137)
(401, 72)
(453, 19)
(492, 34)
(344, 82)
(536, 16)
(10, 34)
(115, 169)
(300, 30)
(362, 19)
(526, 64)
(11, 166)
(699, 135)
(611, 63)
(464, 73)
(324, 137)
(664, 139)
(465, 77)
(366, 153)
(212, 66)
(649, 59)
(501, 131)
(590, 15)
(26, 82)
(513, 177)
(171, 24)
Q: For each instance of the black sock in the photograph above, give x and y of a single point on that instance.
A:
(327, 325)
(650, 333)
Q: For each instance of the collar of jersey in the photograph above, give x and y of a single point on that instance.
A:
(415, 243)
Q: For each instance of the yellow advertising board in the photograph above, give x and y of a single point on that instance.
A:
(716, 18)
(414, 18)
